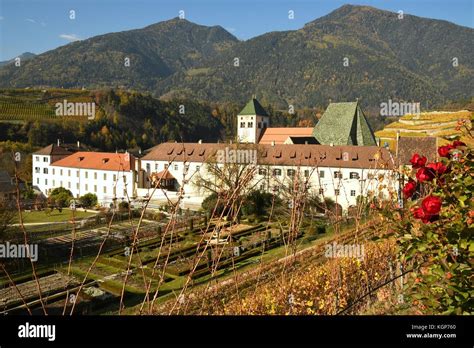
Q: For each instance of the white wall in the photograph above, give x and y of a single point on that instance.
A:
(349, 188)
(81, 181)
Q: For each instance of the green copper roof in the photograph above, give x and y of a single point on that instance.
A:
(253, 107)
(344, 124)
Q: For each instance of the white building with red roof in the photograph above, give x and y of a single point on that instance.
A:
(110, 176)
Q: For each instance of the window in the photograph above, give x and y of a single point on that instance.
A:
(321, 191)
(95, 175)
(115, 191)
(260, 125)
(68, 185)
(277, 172)
(37, 181)
(250, 124)
(45, 170)
(321, 173)
(46, 181)
(262, 171)
(69, 172)
(290, 172)
(61, 183)
(353, 193)
(77, 173)
(156, 166)
(95, 188)
(166, 166)
(198, 168)
(54, 182)
(264, 124)
(354, 175)
(77, 186)
(186, 168)
(337, 175)
(45, 159)
(148, 167)
(37, 158)
(105, 176)
(242, 124)
(87, 187)
(37, 170)
(86, 174)
(175, 167)
(53, 173)
(105, 189)
(306, 173)
(336, 192)
(61, 172)
(115, 177)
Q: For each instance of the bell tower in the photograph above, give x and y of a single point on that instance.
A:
(252, 122)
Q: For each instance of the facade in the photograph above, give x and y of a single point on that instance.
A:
(341, 173)
(108, 175)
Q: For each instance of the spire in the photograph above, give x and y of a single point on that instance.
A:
(253, 107)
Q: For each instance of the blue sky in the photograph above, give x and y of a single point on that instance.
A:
(40, 25)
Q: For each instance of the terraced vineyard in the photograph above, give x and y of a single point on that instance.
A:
(37, 105)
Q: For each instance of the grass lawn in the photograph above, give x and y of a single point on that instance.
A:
(55, 216)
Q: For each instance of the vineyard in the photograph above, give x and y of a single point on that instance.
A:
(37, 105)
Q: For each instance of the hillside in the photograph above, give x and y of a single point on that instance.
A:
(123, 120)
(401, 59)
(440, 124)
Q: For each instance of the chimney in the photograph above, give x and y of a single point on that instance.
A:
(200, 141)
(306, 142)
(57, 141)
(273, 143)
(78, 144)
(331, 144)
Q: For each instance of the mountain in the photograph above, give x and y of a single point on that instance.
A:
(155, 52)
(23, 57)
(407, 59)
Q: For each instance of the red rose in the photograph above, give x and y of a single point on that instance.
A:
(438, 167)
(418, 161)
(457, 143)
(419, 213)
(431, 205)
(444, 150)
(409, 189)
(425, 174)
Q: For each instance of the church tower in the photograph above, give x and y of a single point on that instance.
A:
(252, 122)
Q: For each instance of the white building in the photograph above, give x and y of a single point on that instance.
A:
(108, 175)
(341, 173)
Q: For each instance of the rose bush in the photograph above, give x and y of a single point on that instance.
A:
(435, 233)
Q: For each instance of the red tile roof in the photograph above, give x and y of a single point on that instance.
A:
(346, 156)
(279, 135)
(98, 161)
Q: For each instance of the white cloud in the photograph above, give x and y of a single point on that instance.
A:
(30, 20)
(70, 37)
(231, 30)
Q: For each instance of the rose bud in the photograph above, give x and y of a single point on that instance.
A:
(438, 167)
(418, 161)
(409, 189)
(443, 151)
(457, 143)
(425, 174)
